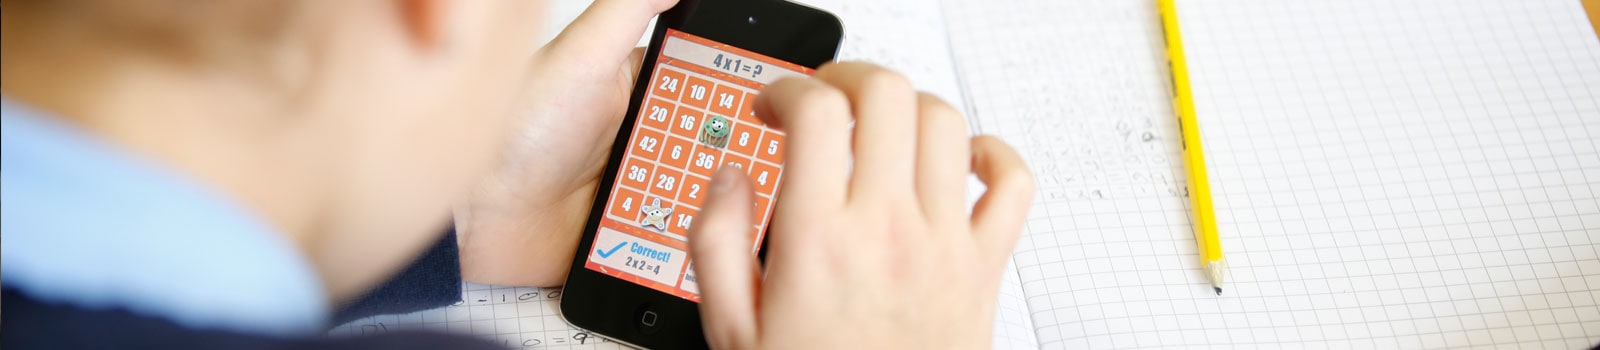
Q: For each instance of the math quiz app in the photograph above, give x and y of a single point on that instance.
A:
(697, 118)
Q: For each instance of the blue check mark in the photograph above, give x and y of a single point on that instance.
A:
(607, 253)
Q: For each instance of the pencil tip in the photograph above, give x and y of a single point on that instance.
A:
(1218, 289)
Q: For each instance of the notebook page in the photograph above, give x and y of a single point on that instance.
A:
(1079, 88)
(515, 317)
(1402, 174)
(907, 36)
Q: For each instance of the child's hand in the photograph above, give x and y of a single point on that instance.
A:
(877, 253)
(521, 226)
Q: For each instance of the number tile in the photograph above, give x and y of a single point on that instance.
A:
(683, 219)
(725, 100)
(744, 138)
(697, 92)
(771, 147)
(634, 173)
(747, 111)
(625, 203)
(736, 160)
(693, 191)
(687, 123)
(668, 83)
(760, 212)
(706, 160)
(664, 183)
(677, 152)
(647, 143)
(657, 113)
(764, 177)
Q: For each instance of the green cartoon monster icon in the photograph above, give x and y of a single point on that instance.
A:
(714, 132)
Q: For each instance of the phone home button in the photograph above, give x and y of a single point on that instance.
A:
(646, 319)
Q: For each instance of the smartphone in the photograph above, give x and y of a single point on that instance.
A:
(691, 114)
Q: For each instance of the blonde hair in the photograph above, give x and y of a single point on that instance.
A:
(187, 29)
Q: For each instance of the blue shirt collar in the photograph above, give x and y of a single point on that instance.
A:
(90, 225)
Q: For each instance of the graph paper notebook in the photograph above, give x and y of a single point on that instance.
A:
(1419, 174)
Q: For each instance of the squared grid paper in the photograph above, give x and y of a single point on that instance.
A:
(1107, 258)
(1404, 174)
(1387, 175)
(517, 317)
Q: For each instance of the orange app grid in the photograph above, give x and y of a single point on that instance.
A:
(635, 173)
(656, 113)
(647, 143)
(687, 123)
(706, 160)
(669, 83)
(725, 101)
(696, 92)
(676, 152)
(678, 82)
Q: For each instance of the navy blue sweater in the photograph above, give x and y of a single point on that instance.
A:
(433, 280)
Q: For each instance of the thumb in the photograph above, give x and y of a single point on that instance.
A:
(722, 247)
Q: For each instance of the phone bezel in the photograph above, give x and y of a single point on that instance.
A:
(784, 30)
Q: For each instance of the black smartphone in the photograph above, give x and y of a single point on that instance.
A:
(691, 113)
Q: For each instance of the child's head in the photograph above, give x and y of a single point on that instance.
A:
(351, 124)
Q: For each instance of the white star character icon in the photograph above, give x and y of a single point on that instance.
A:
(655, 215)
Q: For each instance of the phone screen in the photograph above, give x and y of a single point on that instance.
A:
(697, 118)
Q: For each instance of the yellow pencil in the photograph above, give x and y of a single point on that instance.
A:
(1194, 161)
